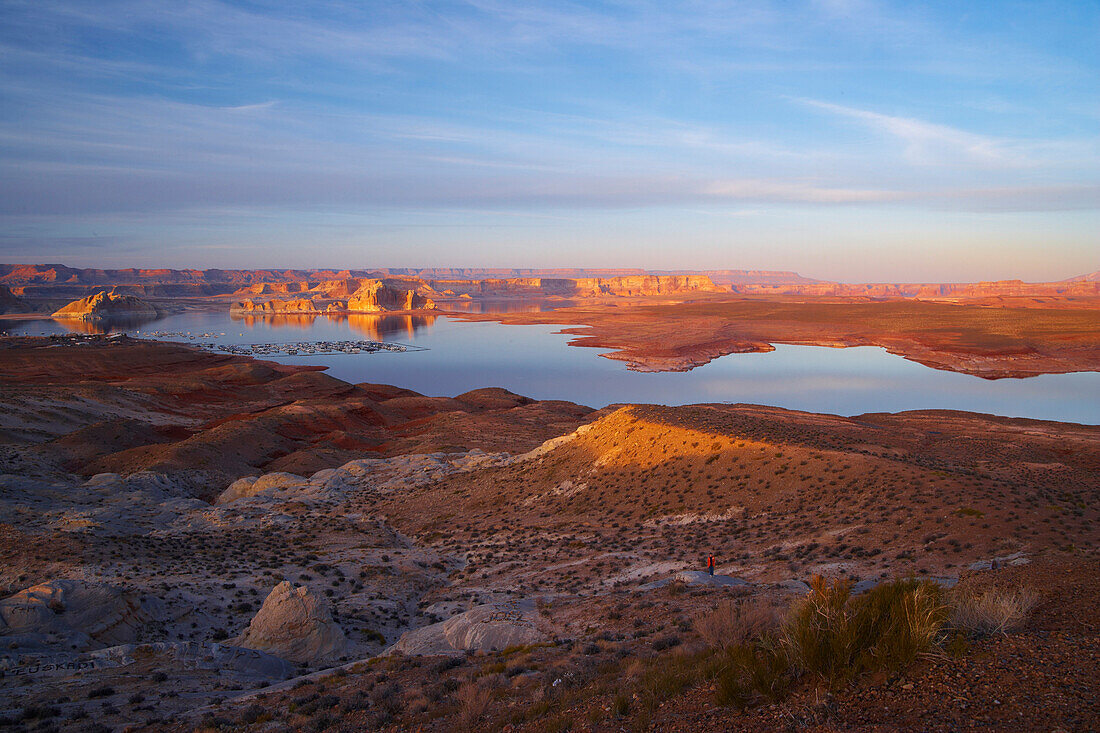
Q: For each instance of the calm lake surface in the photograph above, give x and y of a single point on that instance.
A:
(537, 362)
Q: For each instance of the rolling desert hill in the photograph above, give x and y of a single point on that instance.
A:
(772, 493)
(137, 406)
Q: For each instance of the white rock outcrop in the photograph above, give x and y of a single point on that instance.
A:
(294, 624)
(494, 626)
(87, 615)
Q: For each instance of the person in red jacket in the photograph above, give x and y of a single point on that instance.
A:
(710, 564)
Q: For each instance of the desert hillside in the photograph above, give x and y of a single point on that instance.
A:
(190, 539)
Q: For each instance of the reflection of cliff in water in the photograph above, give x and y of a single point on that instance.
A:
(294, 320)
(516, 305)
(375, 327)
(378, 327)
(112, 324)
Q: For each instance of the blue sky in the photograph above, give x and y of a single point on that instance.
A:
(845, 139)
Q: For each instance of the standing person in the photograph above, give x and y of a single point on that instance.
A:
(710, 564)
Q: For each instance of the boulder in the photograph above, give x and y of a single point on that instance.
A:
(294, 624)
(996, 563)
(793, 586)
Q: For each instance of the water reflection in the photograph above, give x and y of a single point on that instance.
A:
(524, 305)
(300, 321)
(115, 324)
(374, 326)
(378, 328)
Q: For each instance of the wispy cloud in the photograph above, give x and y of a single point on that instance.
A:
(926, 143)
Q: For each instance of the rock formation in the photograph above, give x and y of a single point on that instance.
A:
(375, 296)
(251, 485)
(294, 624)
(276, 307)
(367, 296)
(87, 615)
(105, 305)
(490, 627)
(585, 287)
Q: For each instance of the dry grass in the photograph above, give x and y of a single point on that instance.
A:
(473, 702)
(993, 611)
(837, 636)
(732, 623)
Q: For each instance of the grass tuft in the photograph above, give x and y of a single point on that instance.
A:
(994, 611)
(837, 636)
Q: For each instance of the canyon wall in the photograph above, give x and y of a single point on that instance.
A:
(9, 303)
(52, 281)
(588, 287)
(1000, 288)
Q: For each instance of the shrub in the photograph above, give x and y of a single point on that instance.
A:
(995, 611)
(837, 637)
(734, 623)
(751, 671)
(473, 701)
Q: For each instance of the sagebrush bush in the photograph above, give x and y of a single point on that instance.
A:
(994, 611)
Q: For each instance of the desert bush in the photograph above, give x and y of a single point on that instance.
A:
(836, 636)
(733, 623)
(752, 671)
(994, 611)
(473, 703)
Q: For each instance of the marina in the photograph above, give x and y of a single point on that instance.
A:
(310, 348)
(296, 348)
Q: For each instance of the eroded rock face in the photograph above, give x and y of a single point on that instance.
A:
(375, 296)
(276, 307)
(294, 624)
(105, 305)
(371, 296)
(86, 615)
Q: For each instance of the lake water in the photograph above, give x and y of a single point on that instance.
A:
(537, 362)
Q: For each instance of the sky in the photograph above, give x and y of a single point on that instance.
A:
(851, 140)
